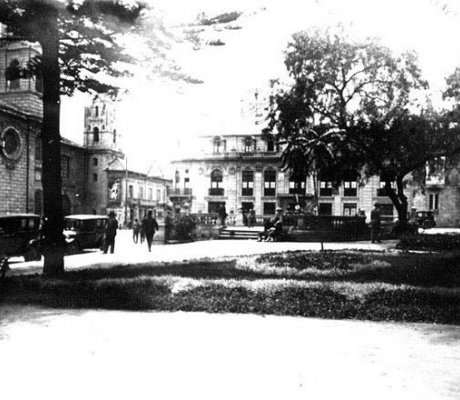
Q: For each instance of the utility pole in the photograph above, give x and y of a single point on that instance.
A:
(126, 191)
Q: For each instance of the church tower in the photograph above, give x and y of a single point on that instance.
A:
(100, 131)
(20, 86)
(101, 141)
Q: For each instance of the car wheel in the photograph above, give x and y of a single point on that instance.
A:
(32, 254)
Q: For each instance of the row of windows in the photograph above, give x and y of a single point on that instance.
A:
(219, 145)
(141, 193)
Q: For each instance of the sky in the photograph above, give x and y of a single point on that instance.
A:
(160, 118)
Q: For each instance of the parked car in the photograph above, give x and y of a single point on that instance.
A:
(20, 236)
(423, 219)
(84, 231)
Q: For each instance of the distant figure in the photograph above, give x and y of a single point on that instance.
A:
(110, 233)
(272, 228)
(376, 220)
(251, 218)
(136, 228)
(222, 214)
(149, 226)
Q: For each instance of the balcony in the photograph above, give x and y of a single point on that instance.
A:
(180, 192)
(216, 191)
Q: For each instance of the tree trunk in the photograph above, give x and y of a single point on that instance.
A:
(399, 200)
(51, 177)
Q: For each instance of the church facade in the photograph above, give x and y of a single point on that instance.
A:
(95, 178)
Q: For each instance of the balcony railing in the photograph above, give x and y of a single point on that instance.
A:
(179, 192)
(216, 191)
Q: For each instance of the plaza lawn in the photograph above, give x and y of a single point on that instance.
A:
(359, 285)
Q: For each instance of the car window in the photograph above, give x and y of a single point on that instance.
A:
(89, 225)
(72, 224)
(8, 225)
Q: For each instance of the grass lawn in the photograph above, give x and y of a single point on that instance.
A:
(423, 287)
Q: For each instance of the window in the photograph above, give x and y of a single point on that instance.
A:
(95, 177)
(13, 75)
(296, 186)
(433, 201)
(216, 183)
(95, 162)
(150, 194)
(186, 183)
(96, 134)
(131, 191)
(141, 192)
(176, 179)
(325, 186)
(247, 183)
(158, 195)
(65, 166)
(249, 144)
(349, 209)
(381, 191)
(38, 150)
(350, 186)
(10, 143)
(218, 145)
(269, 208)
(325, 209)
(96, 111)
(114, 136)
(270, 144)
(38, 175)
(270, 182)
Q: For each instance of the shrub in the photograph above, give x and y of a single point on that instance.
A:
(180, 227)
(430, 242)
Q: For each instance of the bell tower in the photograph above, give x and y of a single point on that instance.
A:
(20, 85)
(100, 131)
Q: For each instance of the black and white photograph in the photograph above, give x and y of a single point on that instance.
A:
(239, 199)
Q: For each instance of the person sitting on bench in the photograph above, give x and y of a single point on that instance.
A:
(272, 228)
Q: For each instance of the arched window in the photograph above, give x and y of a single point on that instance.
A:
(38, 202)
(217, 145)
(176, 179)
(247, 183)
(13, 75)
(270, 182)
(216, 183)
(95, 134)
(96, 111)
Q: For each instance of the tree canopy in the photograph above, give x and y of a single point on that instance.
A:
(353, 106)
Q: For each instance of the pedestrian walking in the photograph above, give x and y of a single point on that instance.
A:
(136, 228)
(376, 220)
(149, 226)
(222, 214)
(251, 218)
(110, 233)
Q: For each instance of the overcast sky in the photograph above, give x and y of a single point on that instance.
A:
(157, 116)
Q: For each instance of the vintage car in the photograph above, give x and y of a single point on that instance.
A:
(84, 231)
(423, 219)
(20, 236)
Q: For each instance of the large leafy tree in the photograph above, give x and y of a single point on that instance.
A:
(349, 109)
(79, 42)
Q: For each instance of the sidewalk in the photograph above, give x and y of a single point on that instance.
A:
(129, 254)
(96, 354)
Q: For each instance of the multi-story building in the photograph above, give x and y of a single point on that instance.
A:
(243, 172)
(95, 178)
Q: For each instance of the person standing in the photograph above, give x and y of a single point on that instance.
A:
(110, 233)
(222, 214)
(136, 230)
(149, 226)
(376, 220)
(251, 218)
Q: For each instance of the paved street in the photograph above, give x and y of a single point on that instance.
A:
(76, 354)
(128, 253)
